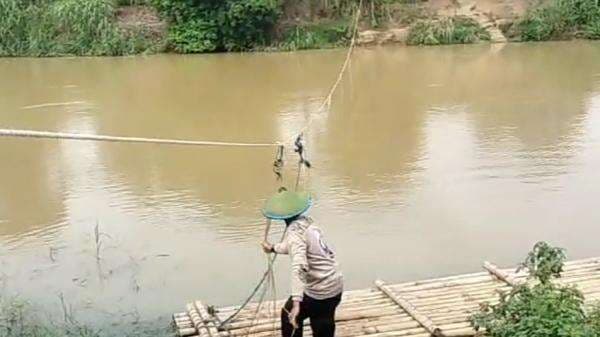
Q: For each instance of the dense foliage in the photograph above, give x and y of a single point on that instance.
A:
(64, 27)
(544, 309)
(218, 25)
(446, 31)
(312, 36)
(561, 19)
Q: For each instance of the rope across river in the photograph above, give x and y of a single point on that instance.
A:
(123, 139)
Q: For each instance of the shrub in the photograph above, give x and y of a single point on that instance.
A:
(64, 27)
(215, 25)
(542, 310)
(194, 36)
(545, 24)
(593, 323)
(322, 35)
(248, 23)
(560, 19)
(446, 31)
(592, 30)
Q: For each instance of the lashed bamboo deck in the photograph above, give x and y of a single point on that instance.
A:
(439, 307)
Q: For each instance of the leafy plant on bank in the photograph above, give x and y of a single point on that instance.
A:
(64, 27)
(561, 19)
(218, 25)
(312, 36)
(451, 30)
(544, 309)
(375, 12)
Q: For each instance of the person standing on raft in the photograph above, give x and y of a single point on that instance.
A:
(316, 283)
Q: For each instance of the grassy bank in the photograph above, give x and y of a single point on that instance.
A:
(559, 20)
(98, 27)
(454, 30)
(67, 27)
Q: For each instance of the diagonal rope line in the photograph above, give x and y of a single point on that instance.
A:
(326, 103)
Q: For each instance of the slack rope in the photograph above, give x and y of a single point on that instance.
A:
(326, 103)
(268, 274)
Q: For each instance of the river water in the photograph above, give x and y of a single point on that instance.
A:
(429, 161)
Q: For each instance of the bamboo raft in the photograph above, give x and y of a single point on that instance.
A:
(434, 307)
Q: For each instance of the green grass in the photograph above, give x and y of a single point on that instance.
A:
(561, 19)
(453, 30)
(315, 36)
(65, 27)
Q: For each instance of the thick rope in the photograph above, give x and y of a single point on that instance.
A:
(89, 137)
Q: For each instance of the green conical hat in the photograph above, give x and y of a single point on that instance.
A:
(286, 204)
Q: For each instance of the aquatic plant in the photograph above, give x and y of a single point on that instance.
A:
(18, 318)
(446, 31)
(544, 309)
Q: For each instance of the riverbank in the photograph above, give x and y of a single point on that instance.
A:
(125, 27)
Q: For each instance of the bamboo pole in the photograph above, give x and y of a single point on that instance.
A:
(500, 274)
(209, 322)
(197, 320)
(184, 332)
(410, 309)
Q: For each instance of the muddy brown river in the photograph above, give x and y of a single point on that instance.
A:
(429, 161)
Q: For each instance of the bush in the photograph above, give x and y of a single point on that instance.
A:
(559, 20)
(248, 23)
(593, 322)
(592, 30)
(323, 35)
(216, 25)
(542, 310)
(194, 36)
(64, 27)
(446, 31)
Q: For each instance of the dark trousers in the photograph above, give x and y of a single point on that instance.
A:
(320, 312)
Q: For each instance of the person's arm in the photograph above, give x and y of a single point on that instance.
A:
(297, 251)
(278, 248)
(282, 247)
